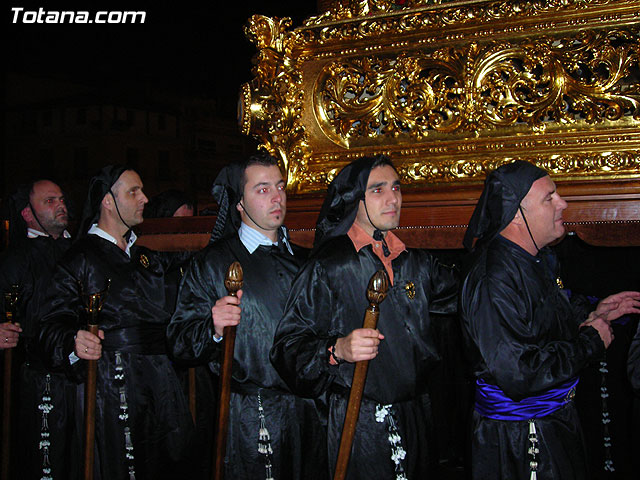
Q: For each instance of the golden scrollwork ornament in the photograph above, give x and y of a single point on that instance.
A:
(449, 89)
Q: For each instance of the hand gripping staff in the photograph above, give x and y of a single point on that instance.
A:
(93, 305)
(10, 305)
(376, 293)
(233, 283)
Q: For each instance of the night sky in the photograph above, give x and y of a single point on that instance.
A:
(189, 47)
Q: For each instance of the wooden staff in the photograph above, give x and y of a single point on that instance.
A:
(376, 293)
(233, 283)
(93, 307)
(10, 303)
(5, 234)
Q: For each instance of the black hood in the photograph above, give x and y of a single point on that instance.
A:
(227, 192)
(343, 197)
(16, 202)
(99, 186)
(503, 192)
(166, 203)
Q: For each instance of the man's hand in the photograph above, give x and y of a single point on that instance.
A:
(360, 344)
(617, 305)
(88, 346)
(604, 329)
(9, 334)
(226, 313)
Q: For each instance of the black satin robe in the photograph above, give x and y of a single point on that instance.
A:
(633, 371)
(522, 335)
(633, 363)
(328, 300)
(30, 265)
(200, 451)
(293, 423)
(134, 319)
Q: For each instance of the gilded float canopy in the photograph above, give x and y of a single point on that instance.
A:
(449, 90)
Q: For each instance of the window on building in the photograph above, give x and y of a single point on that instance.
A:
(47, 118)
(30, 122)
(164, 167)
(47, 166)
(81, 116)
(162, 123)
(80, 161)
(206, 146)
(133, 157)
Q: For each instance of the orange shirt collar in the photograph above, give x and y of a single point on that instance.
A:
(361, 239)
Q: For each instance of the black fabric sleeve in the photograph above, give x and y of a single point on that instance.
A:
(62, 316)
(633, 363)
(300, 350)
(190, 332)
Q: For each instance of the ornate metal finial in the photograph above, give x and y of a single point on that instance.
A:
(93, 302)
(233, 279)
(11, 302)
(378, 287)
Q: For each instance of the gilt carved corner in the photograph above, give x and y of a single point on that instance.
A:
(449, 90)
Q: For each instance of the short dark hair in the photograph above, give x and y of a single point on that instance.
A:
(263, 159)
(381, 160)
(31, 186)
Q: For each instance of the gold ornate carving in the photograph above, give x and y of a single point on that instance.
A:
(582, 78)
(562, 166)
(271, 104)
(393, 17)
(449, 89)
(347, 9)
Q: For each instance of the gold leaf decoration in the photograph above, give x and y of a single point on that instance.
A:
(449, 89)
(271, 104)
(583, 78)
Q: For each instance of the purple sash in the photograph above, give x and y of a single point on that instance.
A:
(493, 403)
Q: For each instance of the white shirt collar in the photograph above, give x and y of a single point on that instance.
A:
(252, 239)
(33, 233)
(96, 230)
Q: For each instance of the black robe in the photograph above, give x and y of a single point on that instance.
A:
(205, 384)
(522, 335)
(293, 423)
(633, 363)
(633, 371)
(328, 300)
(30, 265)
(134, 320)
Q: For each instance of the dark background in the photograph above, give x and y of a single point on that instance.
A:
(191, 52)
(190, 47)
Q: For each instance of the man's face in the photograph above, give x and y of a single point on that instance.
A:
(543, 208)
(264, 200)
(130, 198)
(383, 201)
(48, 204)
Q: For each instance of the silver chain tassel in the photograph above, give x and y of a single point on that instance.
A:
(385, 412)
(45, 435)
(606, 417)
(124, 416)
(533, 450)
(264, 441)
